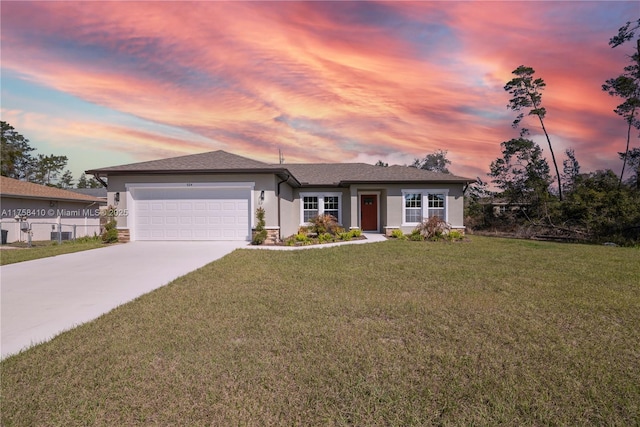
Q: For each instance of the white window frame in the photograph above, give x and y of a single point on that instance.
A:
(320, 196)
(424, 203)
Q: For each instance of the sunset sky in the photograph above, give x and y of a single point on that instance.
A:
(108, 83)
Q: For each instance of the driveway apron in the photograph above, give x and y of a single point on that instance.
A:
(41, 298)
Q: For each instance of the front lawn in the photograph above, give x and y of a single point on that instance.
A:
(44, 249)
(486, 332)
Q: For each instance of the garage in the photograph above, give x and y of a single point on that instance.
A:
(191, 211)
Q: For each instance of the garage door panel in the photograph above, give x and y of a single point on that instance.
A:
(192, 214)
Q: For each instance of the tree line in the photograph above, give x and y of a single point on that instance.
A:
(18, 161)
(534, 199)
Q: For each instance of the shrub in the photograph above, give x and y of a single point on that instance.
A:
(324, 224)
(416, 236)
(398, 234)
(455, 235)
(110, 234)
(356, 232)
(433, 228)
(87, 239)
(345, 235)
(261, 234)
(325, 238)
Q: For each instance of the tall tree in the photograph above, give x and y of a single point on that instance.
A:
(627, 86)
(93, 183)
(66, 180)
(522, 173)
(381, 163)
(82, 182)
(435, 162)
(15, 158)
(570, 170)
(48, 168)
(527, 94)
(632, 158)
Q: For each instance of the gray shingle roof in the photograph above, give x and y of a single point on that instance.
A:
(313, 174)
(346, 173)
(203, 162)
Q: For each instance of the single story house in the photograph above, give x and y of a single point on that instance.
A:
(46, 212)
(214, 196)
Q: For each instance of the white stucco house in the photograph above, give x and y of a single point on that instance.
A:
(45, 211)
(214, 196)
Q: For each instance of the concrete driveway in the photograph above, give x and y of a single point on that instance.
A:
(41, 298)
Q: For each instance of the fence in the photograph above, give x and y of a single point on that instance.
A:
(47, 230)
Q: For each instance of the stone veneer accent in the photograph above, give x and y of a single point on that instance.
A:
(272, 235)
(123, 235)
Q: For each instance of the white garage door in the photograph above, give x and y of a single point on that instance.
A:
(192, 213)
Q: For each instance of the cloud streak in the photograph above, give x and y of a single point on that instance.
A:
(323, 81)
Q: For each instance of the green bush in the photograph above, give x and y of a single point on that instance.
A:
(261, 234)
(356, 232)
(455, 235)
(416, 236)
(345, 236)
(110, 234)
(87, 239)
(325, 238)
(398, 234)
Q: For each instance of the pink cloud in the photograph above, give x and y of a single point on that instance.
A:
(350, 79)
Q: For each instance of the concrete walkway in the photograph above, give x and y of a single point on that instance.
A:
(41, 298)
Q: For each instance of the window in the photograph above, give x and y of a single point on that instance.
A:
(331, 206)
(436, 206)
(309, 207)
(412, 207)
(421, 204)
(314, 204)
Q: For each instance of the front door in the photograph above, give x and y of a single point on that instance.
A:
(369, 212)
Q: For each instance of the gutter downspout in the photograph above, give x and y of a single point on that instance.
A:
(279, 226)
(97, 176)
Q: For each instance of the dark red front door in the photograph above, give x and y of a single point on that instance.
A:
(369, 212)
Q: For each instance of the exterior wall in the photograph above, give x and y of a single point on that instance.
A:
(266, 182)
(295, 208)
(289, 204)
(289, 217)
(395, 201)
(45, 216)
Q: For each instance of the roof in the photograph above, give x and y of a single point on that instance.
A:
(28, 190)
(348, 173)
(219, 161)
(95, 192)
(307, 174)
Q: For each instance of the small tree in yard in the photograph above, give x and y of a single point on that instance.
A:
(110, 234)
(261, 234)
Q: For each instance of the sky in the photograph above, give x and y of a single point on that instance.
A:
(108, 83)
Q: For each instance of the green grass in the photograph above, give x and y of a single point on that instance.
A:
(44, 249)
(486, 332)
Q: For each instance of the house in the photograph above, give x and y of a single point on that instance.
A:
(214, 196)
(48, 212)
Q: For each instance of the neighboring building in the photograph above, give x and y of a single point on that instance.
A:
(214, 196)
(46, 211)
